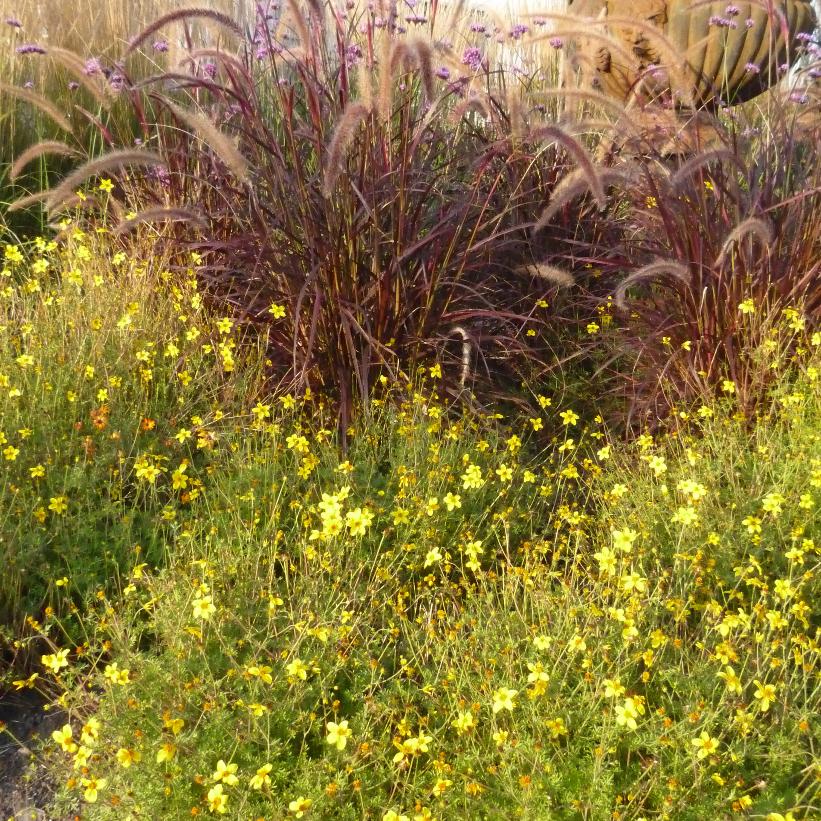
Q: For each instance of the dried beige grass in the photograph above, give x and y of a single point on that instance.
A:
(162, 214)
(222, 145)
(353, 116)
(688, 168)
(549, 273)
(114, 160)
(557, 134)
(576, 183)
(183, 14)
(76, 65)
(752, 227)
(654, 270)
(37, 150)
(38, 101)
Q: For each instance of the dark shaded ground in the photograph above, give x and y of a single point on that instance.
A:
(25, 788)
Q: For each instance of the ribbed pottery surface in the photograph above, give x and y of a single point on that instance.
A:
(732, 62)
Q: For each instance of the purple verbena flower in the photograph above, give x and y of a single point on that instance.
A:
(751, 68)
(210, 70)
(92, 66)
(472, 57)
(731, 10)
(353, 54)
(556, 42)
(30, 48)
(443, 73)
(14, 23)
(518, 31)
(478, 28)
(73, 85)
(749, 22)
(160, 46)
(417, 19)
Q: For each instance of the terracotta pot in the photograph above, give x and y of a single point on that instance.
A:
(731, 50)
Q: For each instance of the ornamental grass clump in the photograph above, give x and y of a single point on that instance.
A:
(361, 197)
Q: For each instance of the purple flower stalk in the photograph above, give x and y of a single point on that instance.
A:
(443, 73)
(30, 48)
(160, 46)
(14, 23)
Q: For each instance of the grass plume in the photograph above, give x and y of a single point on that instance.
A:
(655, 270)
(38, 150)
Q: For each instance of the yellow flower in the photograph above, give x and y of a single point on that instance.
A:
(297, 669)
(452, 501)
(440, 786)
(58, 504)
(392, 815)
(613, 688)
(90, 788)
(607, 561)
(277, 311)
(64, 737)
(227, 773)
(300, 806)
(747, 307)
(261, 779)
(203, 607)
(217, 800)
(731, 680)
(627, 713)
(463, 723)
(705, 744)
(90, 731)
(433, 556)
(556, 726)
(568, 417)
(106, 186)
(765, 693)
(166, 752)
(623, 539)
(56, 661)
(504, 473)
(358, 521)
(338, 734)
(472, 478)
(127, 757)
(504, 699)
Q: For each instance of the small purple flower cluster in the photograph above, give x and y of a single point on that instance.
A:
(353, 54)
(443, 73)
(14, 23)
(518, 31)
(722, 22)
(751, 68)
(160, 46)
(556, 42)
(30, 48)
(472, 56)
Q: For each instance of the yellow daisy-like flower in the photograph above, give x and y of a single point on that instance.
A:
(504, 699)
(217, 800)
(261, 778)
(705, 745)
(338, 734)
(300, 806)
(226, 773)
